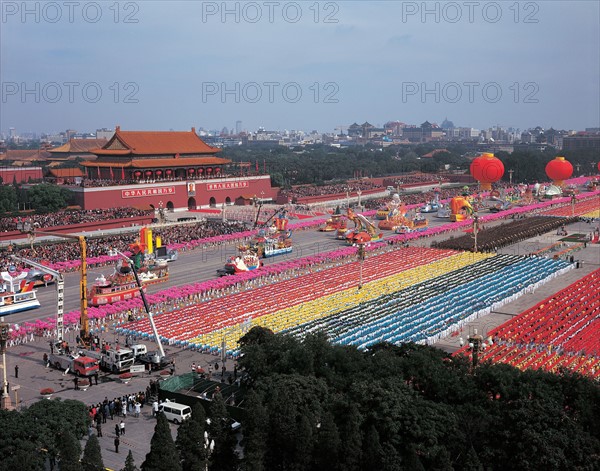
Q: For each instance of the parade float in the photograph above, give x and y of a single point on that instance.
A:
(397, 217)
(460, 209)
(272, 240)
(433, 205)
(121, 284)
(364, 230)
(16, 292)
(335, 223)
(245, 261)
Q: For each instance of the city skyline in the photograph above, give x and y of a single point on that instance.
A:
(151, 65)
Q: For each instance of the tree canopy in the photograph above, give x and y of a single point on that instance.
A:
(26, 433)
(408, 407)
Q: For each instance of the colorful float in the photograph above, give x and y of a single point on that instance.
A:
(271, 241)
(460, 209)
(16, 292)
(245, 261)
(364, 230)
(335, 223)
(119, 286)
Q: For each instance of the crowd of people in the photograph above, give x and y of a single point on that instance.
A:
(53, 252)
(418, 178)
(68, 217)
(99, 182)
(500, 236)
(331, 189)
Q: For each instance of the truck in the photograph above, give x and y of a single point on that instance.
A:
(115, 361)
(76, 364)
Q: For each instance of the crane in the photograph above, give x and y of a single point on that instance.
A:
(60, 291)
(144, 300)
(84, 332)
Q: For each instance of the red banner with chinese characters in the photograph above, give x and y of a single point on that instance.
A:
(138, 193)
(227, 185)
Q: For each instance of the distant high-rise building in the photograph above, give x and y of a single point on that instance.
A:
(12, 133)
(238, 127)
(224, 131)
(70, 134)
(104, 133)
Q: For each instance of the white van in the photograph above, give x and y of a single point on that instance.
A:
(175, 411)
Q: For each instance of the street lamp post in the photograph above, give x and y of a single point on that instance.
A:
(510, 174)
(475, 231)
(573, 201)
(161, 212)
(359, 192)
(361, 260)
(4, 330)
(476, 346)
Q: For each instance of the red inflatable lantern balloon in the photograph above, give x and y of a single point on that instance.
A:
(169, 171)
(487, 169)
(559, 170)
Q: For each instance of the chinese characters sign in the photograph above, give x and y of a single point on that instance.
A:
(167, 190)
(227, 185)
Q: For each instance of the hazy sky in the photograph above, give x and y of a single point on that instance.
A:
(153, 65)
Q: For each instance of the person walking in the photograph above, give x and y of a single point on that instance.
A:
(76, 383)
(122, 427)
(99, 429)
(16, 371)
(117, 430)
(117, 442)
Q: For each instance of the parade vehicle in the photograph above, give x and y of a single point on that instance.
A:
(271, 240)
(430, 207)
(443, 212)
(246, 261)
(335, 223)
(460, 208)
(364, 230)
(120, 286)
(16, 293)
(79, 365)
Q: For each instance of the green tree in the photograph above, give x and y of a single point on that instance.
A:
(46, 198)
(130, 463)
(327, 444)
(69, 451)
(8, 199)
(190, 441)
(223, 456)
(92, 456)
(163, 454)
(256, 428)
